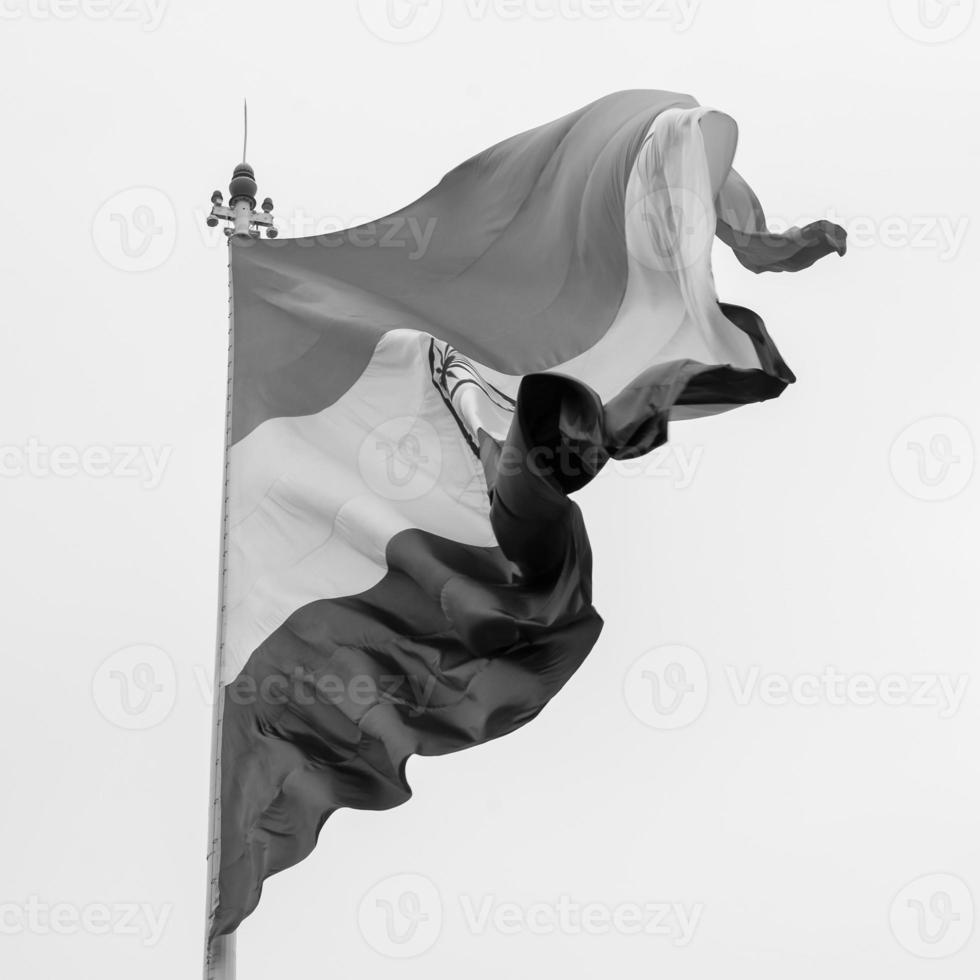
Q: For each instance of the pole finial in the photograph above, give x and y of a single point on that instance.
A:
(240, 213)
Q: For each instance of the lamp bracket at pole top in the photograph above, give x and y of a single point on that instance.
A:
(240, 214)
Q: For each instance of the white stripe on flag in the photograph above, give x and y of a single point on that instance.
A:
(314, 500)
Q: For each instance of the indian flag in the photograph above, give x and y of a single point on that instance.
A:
(411, 404)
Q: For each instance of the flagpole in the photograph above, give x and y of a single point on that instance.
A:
(244, 222)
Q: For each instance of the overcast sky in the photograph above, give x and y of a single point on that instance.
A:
(807, 565)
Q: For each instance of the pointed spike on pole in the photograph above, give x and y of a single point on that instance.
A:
(243, 189)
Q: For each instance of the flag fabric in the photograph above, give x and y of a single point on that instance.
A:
(412, 402)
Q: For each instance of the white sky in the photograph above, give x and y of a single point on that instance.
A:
(783, 834)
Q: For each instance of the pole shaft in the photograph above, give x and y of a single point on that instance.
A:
(219, 954)
(243, 217)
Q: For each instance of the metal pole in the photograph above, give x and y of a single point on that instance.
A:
(220, 953)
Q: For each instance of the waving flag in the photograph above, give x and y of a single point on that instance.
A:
(412, 403)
